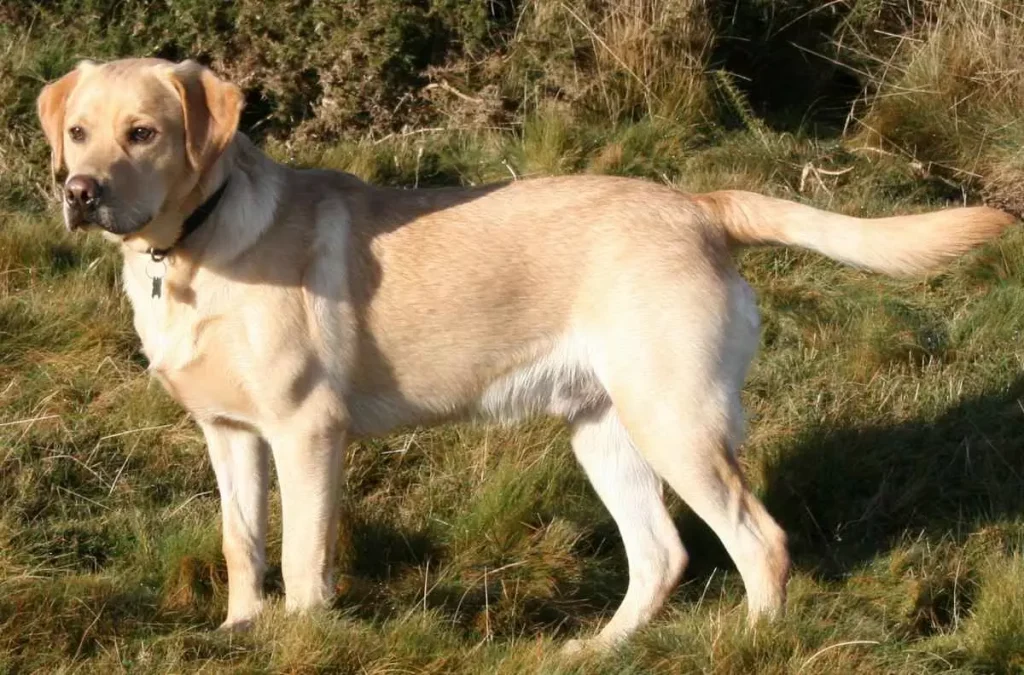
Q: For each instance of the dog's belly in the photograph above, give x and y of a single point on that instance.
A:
(560, 383)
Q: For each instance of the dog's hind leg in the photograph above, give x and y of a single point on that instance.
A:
(632, 493)
(678, 397)
(701, 468)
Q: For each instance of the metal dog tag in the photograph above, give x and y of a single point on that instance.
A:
(158, 278)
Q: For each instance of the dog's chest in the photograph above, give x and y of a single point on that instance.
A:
(190, 352)
(207, 392)
(197, 368)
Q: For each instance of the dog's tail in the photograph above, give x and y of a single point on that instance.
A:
(900, 245)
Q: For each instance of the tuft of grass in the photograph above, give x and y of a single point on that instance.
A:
(996, 626)
(947, 92)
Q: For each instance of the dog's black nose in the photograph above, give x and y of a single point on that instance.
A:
(82, 191)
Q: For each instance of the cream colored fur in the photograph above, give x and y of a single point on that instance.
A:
(313, 308)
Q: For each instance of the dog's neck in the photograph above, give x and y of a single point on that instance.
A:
(242, 214)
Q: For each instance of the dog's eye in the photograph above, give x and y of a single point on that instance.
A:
(76, 134)
(141, 134)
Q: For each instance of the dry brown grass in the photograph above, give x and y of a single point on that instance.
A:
(948, 94)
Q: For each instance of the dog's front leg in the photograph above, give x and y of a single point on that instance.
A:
(309, 455)
(239, 459)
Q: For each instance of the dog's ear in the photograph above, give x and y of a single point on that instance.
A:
(50, 106)
(210, 107)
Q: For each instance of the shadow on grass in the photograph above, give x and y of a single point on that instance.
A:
(385, 578)
(847, 493)
(377, 587)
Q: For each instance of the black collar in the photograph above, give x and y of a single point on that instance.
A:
(194, 221)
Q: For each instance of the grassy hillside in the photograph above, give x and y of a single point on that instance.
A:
(887, 417)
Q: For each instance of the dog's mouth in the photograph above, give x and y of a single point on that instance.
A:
(105, 218)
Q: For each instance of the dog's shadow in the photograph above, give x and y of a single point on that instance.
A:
(844, 494)
(376, 586)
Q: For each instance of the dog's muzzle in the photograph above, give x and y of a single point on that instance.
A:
(82, 199)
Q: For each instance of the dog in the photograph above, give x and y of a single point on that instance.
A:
(291, 311)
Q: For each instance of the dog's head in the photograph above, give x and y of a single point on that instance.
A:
(136, 136)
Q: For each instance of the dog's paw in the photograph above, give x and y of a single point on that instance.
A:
(581, 647)
(235, 626)
(599, 644)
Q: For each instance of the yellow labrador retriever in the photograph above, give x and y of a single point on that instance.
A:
(290, 311)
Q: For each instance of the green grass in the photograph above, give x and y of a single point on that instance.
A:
(886, 422)
(887, 416)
